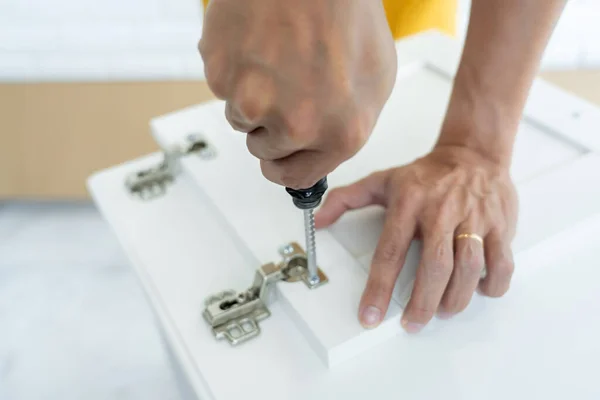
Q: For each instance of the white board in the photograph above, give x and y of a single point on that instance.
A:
(546, 160)
(183, 251)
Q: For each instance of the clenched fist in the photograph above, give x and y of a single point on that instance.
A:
(306, 80)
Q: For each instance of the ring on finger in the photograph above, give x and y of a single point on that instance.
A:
(478, 238)
(470, 236)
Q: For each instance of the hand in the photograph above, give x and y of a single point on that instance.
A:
(305, 79)
(451, 191)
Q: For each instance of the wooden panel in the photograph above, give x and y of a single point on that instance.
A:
(53, 136)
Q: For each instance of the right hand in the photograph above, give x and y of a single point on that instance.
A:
(305, 79)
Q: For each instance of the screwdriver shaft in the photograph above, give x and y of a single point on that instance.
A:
(311, 246)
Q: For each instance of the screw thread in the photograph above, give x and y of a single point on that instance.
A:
(311, 245)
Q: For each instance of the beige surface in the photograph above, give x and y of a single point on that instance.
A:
(584, 83)
(53, 136)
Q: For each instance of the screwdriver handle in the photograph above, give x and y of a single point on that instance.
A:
(309, 198)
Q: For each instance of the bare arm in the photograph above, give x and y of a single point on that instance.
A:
(503, 48)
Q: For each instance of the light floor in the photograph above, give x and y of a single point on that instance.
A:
(74, 324)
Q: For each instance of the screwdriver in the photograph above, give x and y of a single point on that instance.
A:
(307, 200)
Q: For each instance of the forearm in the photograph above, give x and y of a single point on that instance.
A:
(505, 42)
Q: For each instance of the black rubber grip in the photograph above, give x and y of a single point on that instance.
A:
(311, 197)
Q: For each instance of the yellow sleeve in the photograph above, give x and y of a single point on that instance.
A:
(407, 17)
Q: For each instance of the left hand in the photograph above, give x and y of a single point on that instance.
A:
(451, 191)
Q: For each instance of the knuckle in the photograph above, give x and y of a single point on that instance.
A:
(289, 177)
(215, 78)
(202, 48)
(419, 313)
(353, 139)
(387, 253)
(404, 204)
(231, 120)
(255, 148)
(299, 135)
(440, 269)
(470, 260)
(504, 267)
(249, 107)
(353, 136)
(270, 171)
(441, 264)
(336, 195)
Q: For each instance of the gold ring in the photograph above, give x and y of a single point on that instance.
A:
(470, 236)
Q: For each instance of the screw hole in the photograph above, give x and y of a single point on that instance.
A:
(247, 327)
(235, 332)
(198, 146)
(226, 305)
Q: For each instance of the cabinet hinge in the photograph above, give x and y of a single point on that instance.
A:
(235, 315)
(152, 182)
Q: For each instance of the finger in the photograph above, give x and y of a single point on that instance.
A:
(433, 274)
(387, 263)
(235, 122)
(299, 170)
(365, 192)
(252, 100)
(295, 129)
(468, 264)
(499, 264)
(270, 145)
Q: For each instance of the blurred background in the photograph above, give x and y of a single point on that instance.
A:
(79, 81)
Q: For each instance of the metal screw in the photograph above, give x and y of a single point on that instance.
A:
(311, 246)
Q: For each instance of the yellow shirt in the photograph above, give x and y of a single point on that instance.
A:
(407, 17)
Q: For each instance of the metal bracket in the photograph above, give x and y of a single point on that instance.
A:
(152, 182)
(235, 316)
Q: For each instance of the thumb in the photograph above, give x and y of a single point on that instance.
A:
(367, 191)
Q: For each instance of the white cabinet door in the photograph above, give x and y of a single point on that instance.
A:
(221, 219)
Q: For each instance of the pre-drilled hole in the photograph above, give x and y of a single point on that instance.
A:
(198, 146)
(235, 332)
(247, 326)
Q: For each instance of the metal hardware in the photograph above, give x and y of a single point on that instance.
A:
(195, 143)
(307, 200)
(295, 259)
(152, 182)
(311, 246)
(235, 315)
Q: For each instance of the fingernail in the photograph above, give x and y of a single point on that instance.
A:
(445, 315)
(411, 327)
(370, 317)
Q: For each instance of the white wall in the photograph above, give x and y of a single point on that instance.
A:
(575, 43)
(156, 39)
(99, 40)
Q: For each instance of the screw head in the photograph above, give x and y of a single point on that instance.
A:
(314, 280)
(286, 250)
(310, 197)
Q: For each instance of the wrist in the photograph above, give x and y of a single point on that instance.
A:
(480, 120)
